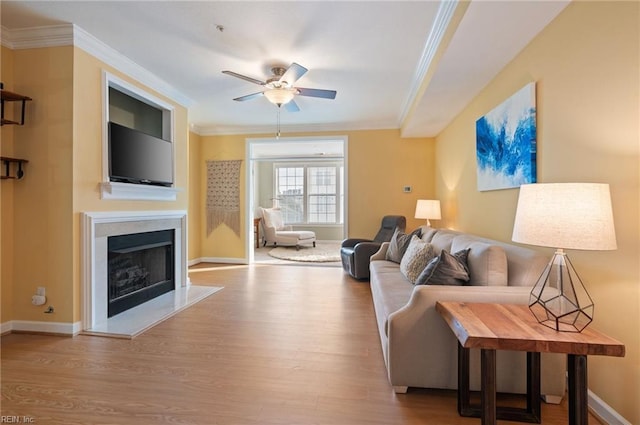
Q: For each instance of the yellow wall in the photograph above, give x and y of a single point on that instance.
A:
(222, 242)
(586, 66)
(42, 243)
(6, 199)
(62, 139)
(380, 164)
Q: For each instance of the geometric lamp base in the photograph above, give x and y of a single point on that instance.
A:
(559, 300)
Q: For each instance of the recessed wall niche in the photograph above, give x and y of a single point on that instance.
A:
(133, 113)
(130, 106)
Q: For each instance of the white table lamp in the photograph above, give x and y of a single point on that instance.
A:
(564, 216)
(428, 209)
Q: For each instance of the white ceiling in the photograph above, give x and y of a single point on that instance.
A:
(412, 65)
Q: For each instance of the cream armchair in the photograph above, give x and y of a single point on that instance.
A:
(277, 233)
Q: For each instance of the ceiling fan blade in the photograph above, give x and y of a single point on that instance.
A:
(291, 106)
(244, 77)
(325, 94)
(293, 73)
(249, 96)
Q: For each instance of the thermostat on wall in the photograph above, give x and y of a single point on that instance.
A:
(406, 189)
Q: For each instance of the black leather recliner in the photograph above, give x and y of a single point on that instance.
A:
(356, 253)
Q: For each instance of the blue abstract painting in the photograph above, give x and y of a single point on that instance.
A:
(506, 142)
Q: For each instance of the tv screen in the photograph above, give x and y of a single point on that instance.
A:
(137, 157)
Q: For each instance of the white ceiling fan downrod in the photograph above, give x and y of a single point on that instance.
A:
(278, 128)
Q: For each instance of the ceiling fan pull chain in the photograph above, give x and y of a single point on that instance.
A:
(278, 132)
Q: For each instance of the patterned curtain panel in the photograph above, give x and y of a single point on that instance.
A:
(223, 195)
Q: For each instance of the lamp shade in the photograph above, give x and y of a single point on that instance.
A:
(428, 209)
(279, 96)
(565, 216)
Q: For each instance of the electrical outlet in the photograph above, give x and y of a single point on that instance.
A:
(41, 291)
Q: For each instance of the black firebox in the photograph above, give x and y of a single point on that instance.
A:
(141, 267)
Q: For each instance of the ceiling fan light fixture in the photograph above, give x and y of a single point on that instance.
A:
(279, 96)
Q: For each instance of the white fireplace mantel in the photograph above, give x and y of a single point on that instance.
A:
(97, 227)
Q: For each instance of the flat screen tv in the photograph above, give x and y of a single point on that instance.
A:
(137, 157)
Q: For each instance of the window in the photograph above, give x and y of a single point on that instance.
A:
(310, 193)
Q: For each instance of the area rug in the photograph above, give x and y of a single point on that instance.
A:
(322, 253)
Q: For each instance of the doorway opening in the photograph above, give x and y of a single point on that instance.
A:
(306, 177)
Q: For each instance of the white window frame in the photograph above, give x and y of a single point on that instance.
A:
(338, 165)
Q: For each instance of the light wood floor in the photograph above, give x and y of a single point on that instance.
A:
(278, 345)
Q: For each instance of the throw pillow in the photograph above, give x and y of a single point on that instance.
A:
(273, 218)
(415, 258)
(446, 269)
(399, 243)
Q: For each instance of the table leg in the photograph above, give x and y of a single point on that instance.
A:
(534, 410)
(463, 382)
(530, 414)
(488, 386)
(578, 401)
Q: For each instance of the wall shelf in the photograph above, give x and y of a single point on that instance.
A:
(6, 161)
(7, 96)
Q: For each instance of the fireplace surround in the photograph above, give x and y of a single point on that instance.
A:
(97, 228)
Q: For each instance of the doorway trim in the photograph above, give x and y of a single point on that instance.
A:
(250, 187)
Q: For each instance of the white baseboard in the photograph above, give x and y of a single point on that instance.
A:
(5, 327)
(60, 328)
(604, 412)
(222, 260)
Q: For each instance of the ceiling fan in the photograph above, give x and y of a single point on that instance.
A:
(279, 87)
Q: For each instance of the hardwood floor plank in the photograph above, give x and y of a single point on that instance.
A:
(278, 345)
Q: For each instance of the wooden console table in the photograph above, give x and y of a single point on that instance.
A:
(492, 327)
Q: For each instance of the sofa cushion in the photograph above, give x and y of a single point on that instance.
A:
(443, 239)
(415, 258)
(427, 233)
(487, 262)
(399, 243)
(446, 269)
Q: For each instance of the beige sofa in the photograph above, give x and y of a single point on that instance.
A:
(419, 348)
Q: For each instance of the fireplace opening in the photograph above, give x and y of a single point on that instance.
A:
(140, 268)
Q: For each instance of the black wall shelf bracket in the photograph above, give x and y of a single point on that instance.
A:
(6, 161)
(7, 96)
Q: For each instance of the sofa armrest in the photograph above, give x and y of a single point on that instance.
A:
(424, 297)
(351, 242)
(364, 250)
(381, 253)
(416, 327)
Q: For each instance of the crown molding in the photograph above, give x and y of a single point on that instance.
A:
(446, 11)
(36, 37)
(73, 35)
(100, 50)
